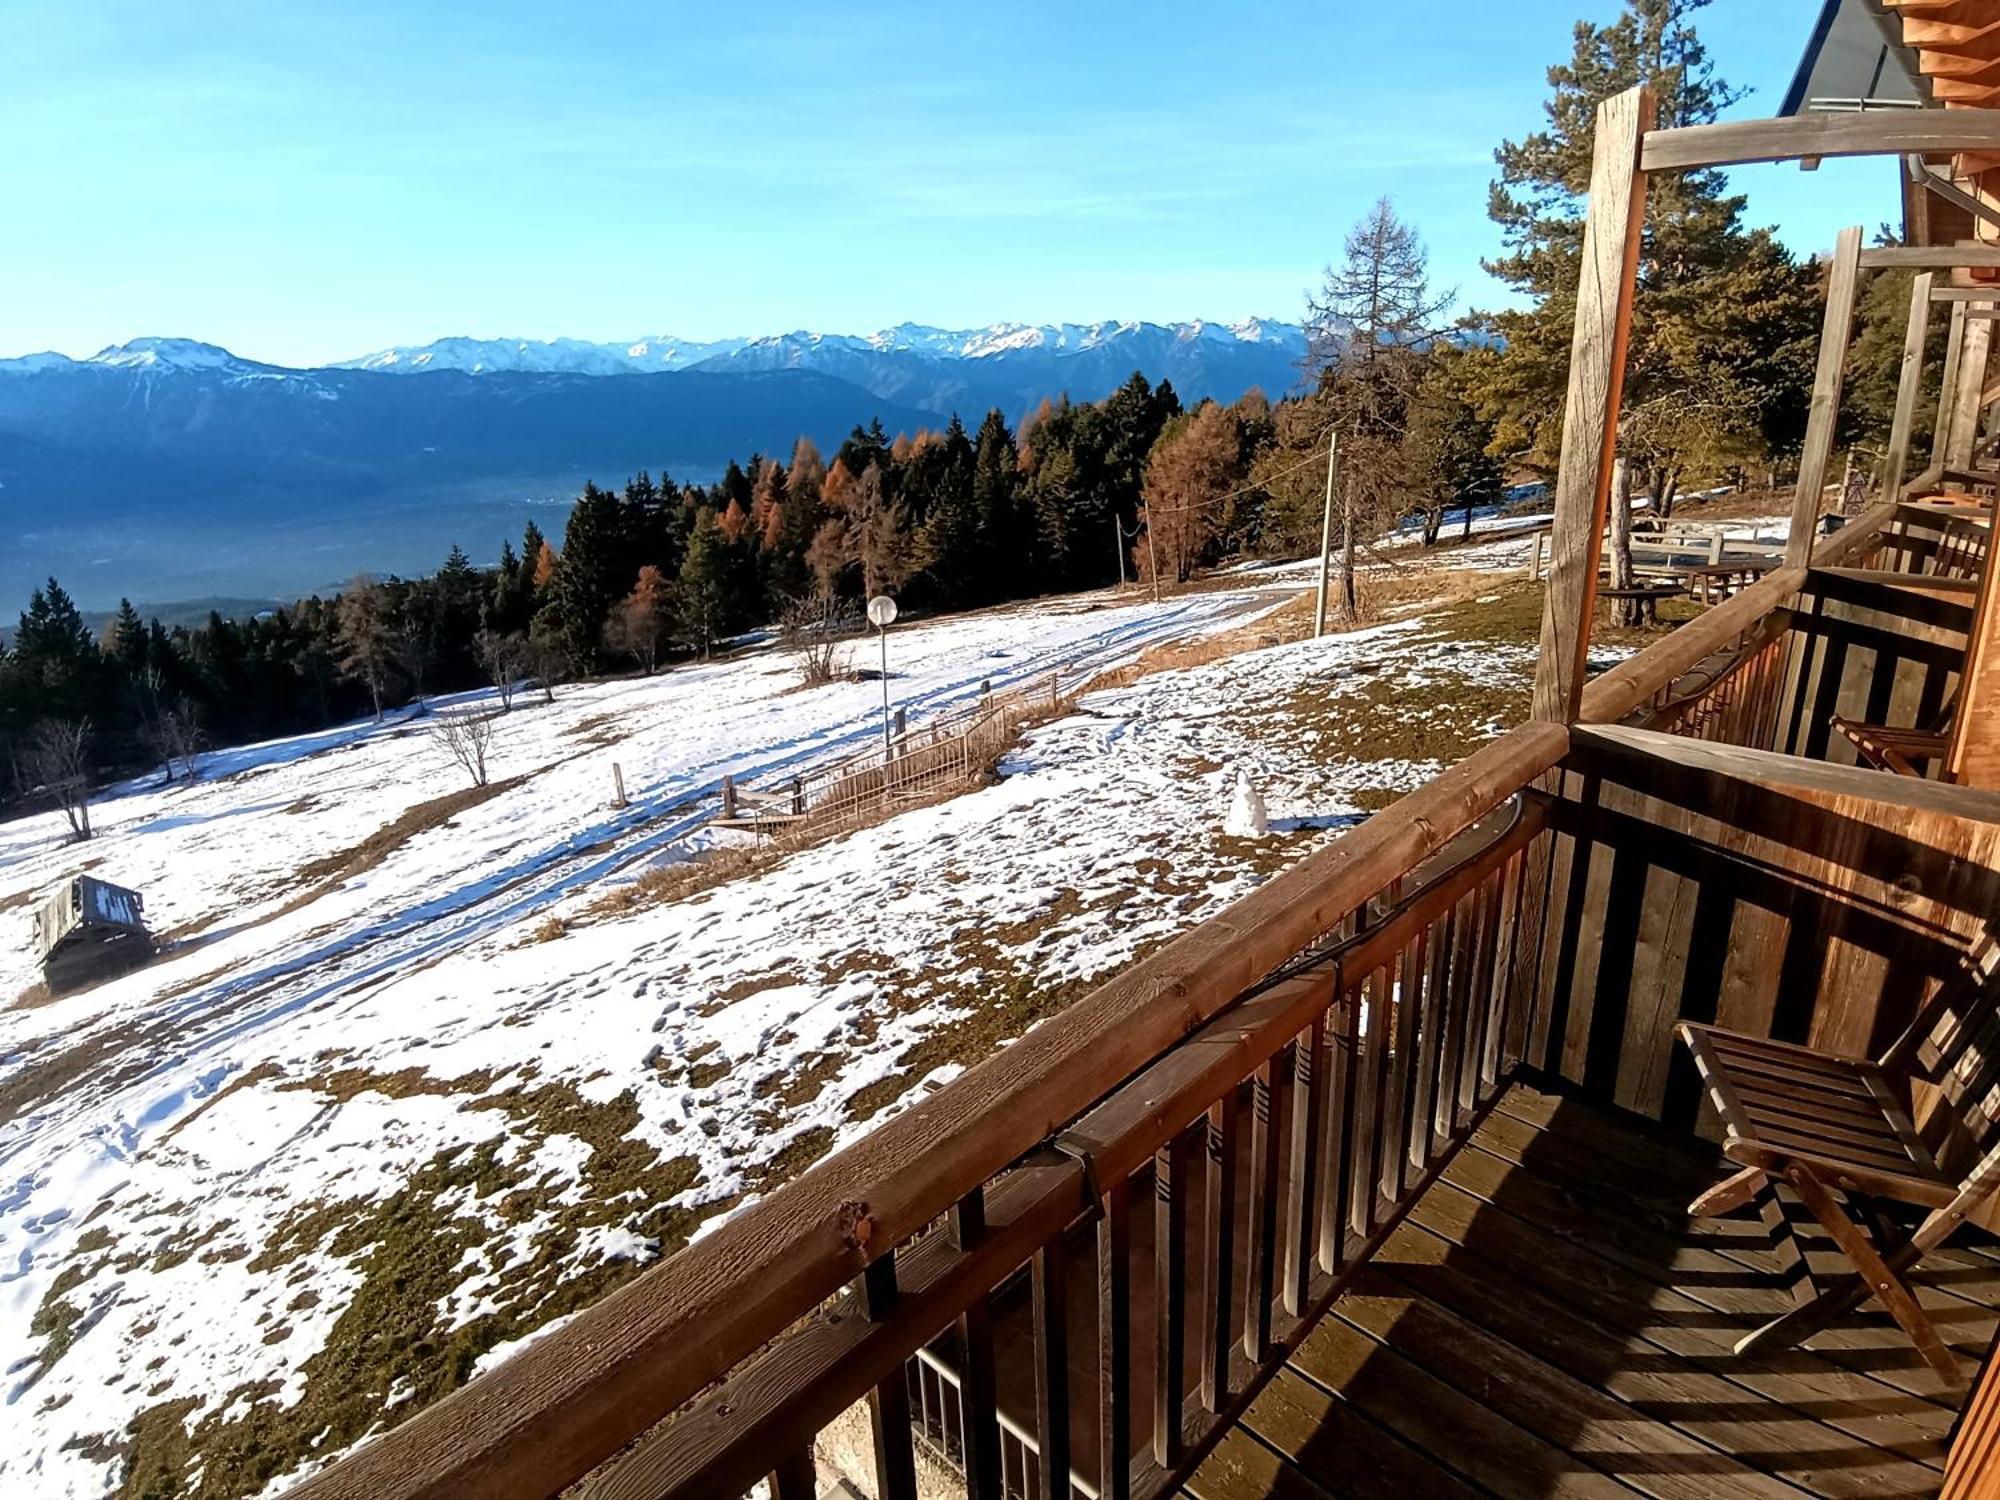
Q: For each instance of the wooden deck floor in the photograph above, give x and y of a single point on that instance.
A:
(1549, 1322)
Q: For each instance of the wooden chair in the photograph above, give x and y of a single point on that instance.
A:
(1829, 1126)
(1890, 749)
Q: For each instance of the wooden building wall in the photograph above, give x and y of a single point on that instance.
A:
(1688, 881)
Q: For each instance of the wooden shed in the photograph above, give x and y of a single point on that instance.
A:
(90, 927)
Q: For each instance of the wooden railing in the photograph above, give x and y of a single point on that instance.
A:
(1330, 1094)
(1278, 1084)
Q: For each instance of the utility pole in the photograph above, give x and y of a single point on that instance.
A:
(1153, 556)
(1326, 534)
(1118, 546)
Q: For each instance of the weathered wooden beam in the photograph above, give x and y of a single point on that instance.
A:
(1941, 293)
(1616, 215)
(1835, 332)
(1954, 352)
(1821, 134)
(1909, 380)
(1968, 384)
(1932, 257)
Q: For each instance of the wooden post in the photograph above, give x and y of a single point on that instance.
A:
(1054, 696)
(728, 795)
(1835, 331)
(1590, 411)
(1954, 351)
(1973, 756)
(1326, 535)
(1971, 380)
(1908, 380)
(618, 785)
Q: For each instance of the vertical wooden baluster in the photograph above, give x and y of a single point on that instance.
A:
(1268, 1094)
(1484, 1033)
(1222, 1133)
(1380, 1013)
(889, 1402)
(1465, 1019)
(1517, 978)
(1458, 1020)
(1308, 1124)
(979, 1406)
(1114, 1342)
(1051, 1306)
(1170, 1195)
(1403, 1071)
(1339, 1174)
(794, 1478)
(1430, 1021)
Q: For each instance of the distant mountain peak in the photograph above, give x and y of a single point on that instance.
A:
(169, 354)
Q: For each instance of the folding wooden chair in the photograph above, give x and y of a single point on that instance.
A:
(1832, 1126)
(1891, 749)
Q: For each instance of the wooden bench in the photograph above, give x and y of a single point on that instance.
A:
(1831, 1126)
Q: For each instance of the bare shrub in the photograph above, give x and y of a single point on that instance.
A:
(55, 763)
(466, 737)
(547, 663)
(811, 628)
(503, 658)
(172, 733)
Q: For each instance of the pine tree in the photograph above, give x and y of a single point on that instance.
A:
(996, 473)
(703, 597)
(125, 640)
(1368, 331)
(1723, 320)
(54, 658)
(593, 574)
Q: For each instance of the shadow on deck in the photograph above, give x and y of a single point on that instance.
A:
(1548, 1321)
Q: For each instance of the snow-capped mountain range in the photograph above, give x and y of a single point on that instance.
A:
(181, 469)
(665, 352)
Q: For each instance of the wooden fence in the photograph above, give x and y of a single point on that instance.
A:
(913, 765)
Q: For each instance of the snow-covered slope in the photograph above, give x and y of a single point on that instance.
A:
(195, 1159)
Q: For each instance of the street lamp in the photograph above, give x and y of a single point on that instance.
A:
(882, 614)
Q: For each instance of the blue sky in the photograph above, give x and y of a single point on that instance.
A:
(307, 182)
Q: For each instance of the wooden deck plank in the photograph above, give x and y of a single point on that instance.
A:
(1693, 1396)
(1329, 1445)
(1407, 1399)
(1548, 1321)
(1959, 1293)
(1625, 1303)
(1575, 1415)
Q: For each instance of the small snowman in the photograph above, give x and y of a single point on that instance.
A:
(1247, 818)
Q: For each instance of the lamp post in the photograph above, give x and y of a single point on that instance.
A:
(882, 614)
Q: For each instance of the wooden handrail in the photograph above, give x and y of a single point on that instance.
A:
(1634, 682)
(1885, 132)
(554, 1411)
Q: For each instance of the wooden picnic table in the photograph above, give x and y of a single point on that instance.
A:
(1709, 582)
(1648, 595)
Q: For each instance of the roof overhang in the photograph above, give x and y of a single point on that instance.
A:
(1855, 60)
